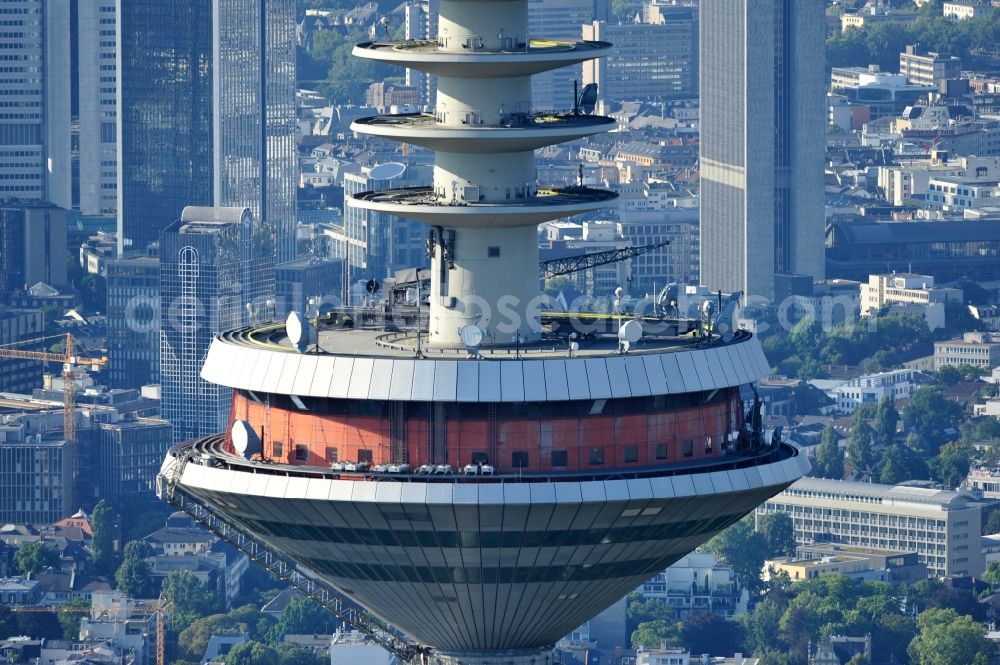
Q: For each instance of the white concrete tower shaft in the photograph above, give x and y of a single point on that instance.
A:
(484, 205)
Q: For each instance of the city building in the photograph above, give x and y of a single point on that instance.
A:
(963, 10)
(35, 116)
(681, 656)
(18, 591)
(946, 250)
(762, 143)
(883, 290)
(697, 583)
(207, 91)
(33, 246)
(983, 481)
(633, 455)
(133, 315)
(566, 239)
(880, 94)
(977, 349)
(893, 566)
(296, 282)
(126, 455)
(910, 180)
(957, 193)
(872, 388)
(929, 69)
(875, 15)
(372, 243)
(420, 23)
(853, 564)
(943, 527)
(96, 171)
(214, 262)
(385, 95)
(650, 61)
(559, 20)
(16, 375)
(36, 477)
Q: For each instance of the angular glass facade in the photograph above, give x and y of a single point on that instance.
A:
(254, 106)
(165, 114)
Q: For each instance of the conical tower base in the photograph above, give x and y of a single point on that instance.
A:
(517, 657)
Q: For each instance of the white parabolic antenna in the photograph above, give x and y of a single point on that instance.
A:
(245, 439)
(387, 171)
(295, 328)
(631, 332)
(472, 335)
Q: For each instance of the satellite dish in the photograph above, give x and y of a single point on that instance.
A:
(387, 171)
(297, 329)
(245, 439)
(372, 286)
(588, 98)
(630, 333)
(471, 335)
(725, 322)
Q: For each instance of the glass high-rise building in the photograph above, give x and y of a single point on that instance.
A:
(164, 113)
(207, 108)
(762, 142)
(213, 263)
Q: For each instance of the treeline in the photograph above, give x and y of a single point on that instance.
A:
(881, 43)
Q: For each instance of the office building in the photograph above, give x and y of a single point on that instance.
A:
(35, 115)
(296, 282)
(207, 114)
(930, 69)
(36, 477)
(634, 459)
(95, 171)
(32, 246)
(421, 24)
(126, 456)
(902, 288)
(559, 20)
(943, 527)
(762, 143)
(213, 264)
(649, 61)
(16, 375)
(133, 286)
(374, 244)
(165, 146)
(978, 349)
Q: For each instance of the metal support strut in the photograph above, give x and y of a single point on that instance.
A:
(284, 569)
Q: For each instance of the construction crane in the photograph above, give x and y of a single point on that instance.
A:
(571, 264)
(69, 362)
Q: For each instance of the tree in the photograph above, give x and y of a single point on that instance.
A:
(886, 419)
(652, 634)
(807, 336)
(8, 622)
(134, 577)
(779, 532)
(102, 545)
(993, 523)
(829, 462)
(70, 620)
(946, 638)
(861, 448)
(952, 464)
(741, 547)
(930, 414)
(293, 654)
(707, 632)
(39, 625)
(252, 653)
(33, 558)
(992, 574)
(643, 610)
(189, 597)
(302, 616)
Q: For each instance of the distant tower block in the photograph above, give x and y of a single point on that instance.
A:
(484, 202)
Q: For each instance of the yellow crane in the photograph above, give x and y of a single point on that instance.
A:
(69, 361)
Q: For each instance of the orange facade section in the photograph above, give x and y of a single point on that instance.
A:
(414, 433)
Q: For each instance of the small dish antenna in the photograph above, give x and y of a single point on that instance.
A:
(472, 336)
(245, 439)
(629, 334)
(588, 99)
(297, 329)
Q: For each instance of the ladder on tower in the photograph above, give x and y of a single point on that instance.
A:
(286, 570)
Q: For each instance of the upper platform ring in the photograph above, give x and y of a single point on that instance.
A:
(537, 56)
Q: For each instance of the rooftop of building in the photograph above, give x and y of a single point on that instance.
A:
(851, 491)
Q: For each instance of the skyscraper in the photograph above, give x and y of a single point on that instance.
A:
(207, 109)
(762, 143)
(164, 113)
(95, 105)
(35, 114)
(213, 263)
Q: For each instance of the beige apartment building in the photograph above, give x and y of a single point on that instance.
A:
(943, 527)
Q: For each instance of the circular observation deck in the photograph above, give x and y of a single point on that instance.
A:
(522, 60)
(520, 132)
(421, 204)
